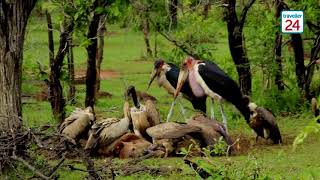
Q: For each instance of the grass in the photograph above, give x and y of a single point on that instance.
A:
(124, 50)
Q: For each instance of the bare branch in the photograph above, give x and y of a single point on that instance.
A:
(182, 46)
(32, 168)
(243, 14)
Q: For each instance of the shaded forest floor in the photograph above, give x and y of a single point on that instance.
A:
(124, 65)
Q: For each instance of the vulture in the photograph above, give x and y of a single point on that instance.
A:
(167, 135)
(211, 130)
(142, 116)
(315, 108)
(77, 123)
(106, 131)
(263, 122)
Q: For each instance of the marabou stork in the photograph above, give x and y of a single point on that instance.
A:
(315, 109)
(263, 122)
(207, 79)
(167, 77)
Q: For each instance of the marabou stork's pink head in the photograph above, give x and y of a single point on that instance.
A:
(188, 63)
(186, 66)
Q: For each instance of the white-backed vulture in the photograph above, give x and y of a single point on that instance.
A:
(263, 122)
(142, 116)
(105, 131)
(211, 130)
(77, 123)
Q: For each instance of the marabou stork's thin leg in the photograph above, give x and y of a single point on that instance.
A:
(212, 108)
(171, 110)
(183, 111)
(224, 118)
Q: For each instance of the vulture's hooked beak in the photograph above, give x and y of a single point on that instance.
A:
(154, 74)
(181, 80)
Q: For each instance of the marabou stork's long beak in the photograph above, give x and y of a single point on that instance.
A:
(154, 74)
(181, 80)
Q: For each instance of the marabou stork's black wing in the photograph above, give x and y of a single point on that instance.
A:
(172, 76)
(219, 82)
(269, 123)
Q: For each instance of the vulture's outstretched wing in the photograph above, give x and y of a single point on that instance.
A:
(171, 130)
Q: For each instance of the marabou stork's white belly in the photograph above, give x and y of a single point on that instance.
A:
(163, 82)
(203, 84)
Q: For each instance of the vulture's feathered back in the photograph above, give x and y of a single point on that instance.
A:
(78, 121)
(171, 130)
(211, 130)
(106, 131)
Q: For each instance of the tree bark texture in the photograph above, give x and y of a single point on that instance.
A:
(310, 68)
(206, 8)
(297, 46)
(56, 98)
(13, 21)
(236, 44)
(277, 51)
(91, 76)
(173, 10)
(72, 87)
(146, 29)
(101, 32)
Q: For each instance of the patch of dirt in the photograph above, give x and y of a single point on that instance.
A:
(248, 144)
(41, 95)
(111, 33)
(104, 94)
(80, 75)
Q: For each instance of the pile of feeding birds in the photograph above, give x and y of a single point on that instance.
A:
(141, 132)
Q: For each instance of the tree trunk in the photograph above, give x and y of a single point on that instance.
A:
(299, 59)
(101, 32)
(13, 21)
(72, 87)
(206, 8)
(56, 98)
(297, 46)
(310, 68)
(50, 38)
(173, 10)
(91, 76)
(146, 28)
(236, 44)
(277, 50)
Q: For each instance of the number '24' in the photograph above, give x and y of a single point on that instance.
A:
(291, 25)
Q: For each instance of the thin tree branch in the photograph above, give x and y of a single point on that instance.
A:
(32, 168)
(243, 14)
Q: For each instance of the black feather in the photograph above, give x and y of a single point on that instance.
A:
(219, 82)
